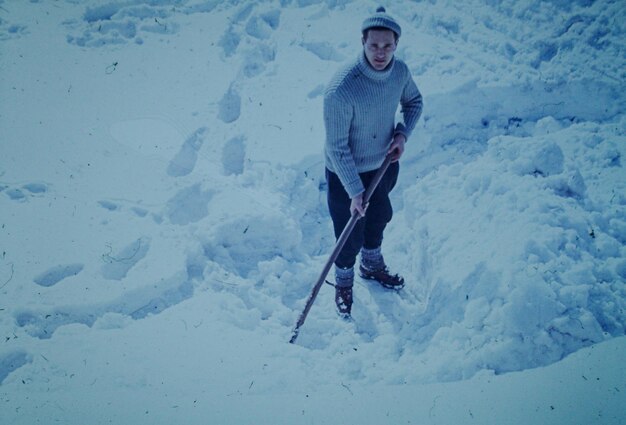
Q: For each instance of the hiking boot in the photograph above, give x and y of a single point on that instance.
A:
(383, 277)
(343, 299)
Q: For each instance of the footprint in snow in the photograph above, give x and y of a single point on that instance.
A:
(118, 264)
(243, 13)
(261, 26)
(12, 361)
(108, 205)
(233, 156)
(12, 31)
(257, 58)
(22, 193)
(230, 105)
(185, 160)
(316, 92)
(56, 274)
(35, 188)
(189, 205)
(135, 209)
(16, 194)
(229, 41)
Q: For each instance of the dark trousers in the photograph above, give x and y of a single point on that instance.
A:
(368, 232)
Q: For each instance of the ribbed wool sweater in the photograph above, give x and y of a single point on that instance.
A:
(360, 105)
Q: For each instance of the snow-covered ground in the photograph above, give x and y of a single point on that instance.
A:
(163, 216)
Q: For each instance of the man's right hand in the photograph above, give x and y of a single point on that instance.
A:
(357, 205)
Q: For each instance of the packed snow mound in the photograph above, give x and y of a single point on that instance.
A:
(522, 250)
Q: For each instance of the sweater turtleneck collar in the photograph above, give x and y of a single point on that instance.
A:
(372, 73)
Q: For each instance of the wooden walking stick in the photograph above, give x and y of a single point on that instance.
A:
(341, 241)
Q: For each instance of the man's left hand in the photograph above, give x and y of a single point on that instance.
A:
(397, 147)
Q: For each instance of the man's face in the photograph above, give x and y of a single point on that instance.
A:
(379, 48)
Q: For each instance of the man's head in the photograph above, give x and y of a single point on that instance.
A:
(379, 46)
(380, 38)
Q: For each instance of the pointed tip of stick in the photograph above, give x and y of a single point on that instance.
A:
(294, 337)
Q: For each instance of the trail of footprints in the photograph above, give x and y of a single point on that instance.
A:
(188, 205)
(24, 192)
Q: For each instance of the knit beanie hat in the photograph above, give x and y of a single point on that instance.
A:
(381, 19)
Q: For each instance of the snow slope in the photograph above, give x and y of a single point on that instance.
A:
(162, 216)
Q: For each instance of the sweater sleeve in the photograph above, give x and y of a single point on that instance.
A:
(338, 116)
(411, 102)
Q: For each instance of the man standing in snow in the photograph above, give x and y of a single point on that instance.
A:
(360, 106)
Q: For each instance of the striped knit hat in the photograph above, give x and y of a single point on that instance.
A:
(381, 19)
